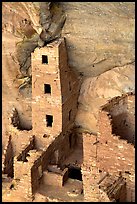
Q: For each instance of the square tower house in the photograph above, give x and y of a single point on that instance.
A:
(55, 90)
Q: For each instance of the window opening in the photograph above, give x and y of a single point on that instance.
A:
(49, 119)
(47, 89)
(44, 59)
(70, 141)
(70, 114)
(69, 86)
(75, 173)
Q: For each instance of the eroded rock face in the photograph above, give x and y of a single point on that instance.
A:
(96, 91)
(99, 37)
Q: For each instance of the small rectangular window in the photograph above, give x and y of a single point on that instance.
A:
(69, 86)
(70, 114)
(44, 59)
(49, 120)
(70, 141)
(47, 89)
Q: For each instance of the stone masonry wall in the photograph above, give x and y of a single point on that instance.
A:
(44, 157)
(90, 171)
(121, 151)
(42, 103)
(20, 162)
(61, 103)
(30, 181)
(7, 158)
(70, 86)
(59, 176)
(115, 155)
(28, 173)
(36, 169)
(106, 153)
(33, 163)
(59, 149)
(122, 111)
(20, 138)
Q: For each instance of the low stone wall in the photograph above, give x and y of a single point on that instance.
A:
(106, 153)
(20, 137)
(36, 169)
(59, 149)
(90, 171)
(7, 158)
(28, 172)
(122, 152)
(31, 163)
(122, 111)
(54, 178)
(21, 165)
(115, 155)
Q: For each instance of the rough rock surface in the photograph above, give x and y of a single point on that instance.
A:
(96, 91)
(99, 37)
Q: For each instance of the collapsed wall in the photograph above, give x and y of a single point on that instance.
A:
(19, 137)
(108, 157)
(7, 158)
(31, 165)
(122, 111)
(106, 154)
(55, 100)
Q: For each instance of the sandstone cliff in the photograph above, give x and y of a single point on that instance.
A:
(99, 37)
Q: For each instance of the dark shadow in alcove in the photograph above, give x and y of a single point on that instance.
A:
(75, 173)
(121, 127)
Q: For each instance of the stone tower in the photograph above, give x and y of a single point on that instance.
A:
(55, 91)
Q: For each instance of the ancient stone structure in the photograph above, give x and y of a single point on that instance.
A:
(108, 155)
(54, 91)
(55, 156)
(7, 158)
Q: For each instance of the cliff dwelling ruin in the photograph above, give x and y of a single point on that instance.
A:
(56, 161)
(68, 102)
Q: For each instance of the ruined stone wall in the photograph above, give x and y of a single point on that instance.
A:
(70, 86)
(90, 171)
(22, 175)
(67, 145)
(36, 169)
(79, 139)
(130, 119)
(24, 186)
(7, 158)
(53, 179)
(21, 165)
(38, 161)
(59, 176)
(122, 111)
(115, 155)
(28, 171)
(20, 169)
(106, 153)
(121, 151)
(19, 137)
(25, 150)
(59, 149)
